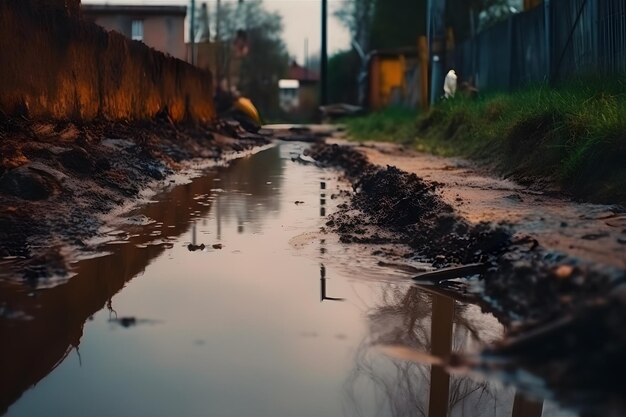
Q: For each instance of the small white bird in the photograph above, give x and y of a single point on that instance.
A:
(449, 85)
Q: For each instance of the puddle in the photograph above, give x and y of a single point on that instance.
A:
(229, 302)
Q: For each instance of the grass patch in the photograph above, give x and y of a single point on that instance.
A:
(574, 136)
(395, 124)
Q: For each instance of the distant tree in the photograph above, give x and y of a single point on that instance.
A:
(343, 68)
(266, 60)
(357, 16)
(377, 24)
(397, 23)
(467, 17)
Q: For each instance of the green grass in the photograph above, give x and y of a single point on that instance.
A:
(574, 136)
(394, 124)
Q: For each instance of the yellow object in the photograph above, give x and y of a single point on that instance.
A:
(245, 106)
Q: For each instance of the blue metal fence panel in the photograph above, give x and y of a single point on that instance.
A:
(573, 35)
(569, 37)
(529, 62)
(494, 57)
(463, 60)
(612, 36)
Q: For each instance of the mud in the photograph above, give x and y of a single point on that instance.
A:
(564, 314)
(58, 178)
(387, 199)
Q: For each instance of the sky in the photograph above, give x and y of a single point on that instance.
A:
(301, 20)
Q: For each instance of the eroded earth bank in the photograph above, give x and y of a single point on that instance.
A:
(58, 179)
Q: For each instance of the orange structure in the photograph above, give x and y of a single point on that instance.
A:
(395, 78)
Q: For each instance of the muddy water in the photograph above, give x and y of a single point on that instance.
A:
(221, 298)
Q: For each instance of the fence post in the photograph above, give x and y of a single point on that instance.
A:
(557, 69)
(422, 48)
(509, 81)
(547, 16)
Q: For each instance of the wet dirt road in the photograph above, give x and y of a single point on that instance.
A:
(222, 298)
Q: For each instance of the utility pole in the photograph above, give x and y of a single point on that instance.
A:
(192, 32)
(218, 43)
(324, 58)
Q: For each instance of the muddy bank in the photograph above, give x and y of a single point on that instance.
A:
(558, 308)
(57, 179)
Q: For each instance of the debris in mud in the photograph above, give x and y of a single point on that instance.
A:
(444, 274)
(217, 246)
(594, 236)
(56, 177)
(514, 197)
(398, 266)
(130, 321)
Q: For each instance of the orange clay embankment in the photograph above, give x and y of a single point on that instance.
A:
(54, 65)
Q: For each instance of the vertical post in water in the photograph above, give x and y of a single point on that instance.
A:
(441, 347)
(324, 58)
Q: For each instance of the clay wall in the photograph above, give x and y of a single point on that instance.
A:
(53, 65)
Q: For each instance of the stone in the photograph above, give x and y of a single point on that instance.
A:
(77, 160)
(27, 184)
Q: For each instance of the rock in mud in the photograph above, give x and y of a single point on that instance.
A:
(27, 184)
(77, 160)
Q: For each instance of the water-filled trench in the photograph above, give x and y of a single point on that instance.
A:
(222, 298)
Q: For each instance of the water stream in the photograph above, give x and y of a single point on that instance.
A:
(222, 298)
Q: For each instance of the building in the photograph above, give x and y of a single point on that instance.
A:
(298, 93)
(160, 27)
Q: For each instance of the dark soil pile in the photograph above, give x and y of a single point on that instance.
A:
(565, 318)
(57, 177)
(405, 204)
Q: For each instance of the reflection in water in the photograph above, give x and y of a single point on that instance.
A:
(193, 246)
(523, 407)
(441, 347)
(323, 294)
(322, 199)
(414, 320)
(32, 348)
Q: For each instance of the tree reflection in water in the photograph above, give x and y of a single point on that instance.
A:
(422, 323)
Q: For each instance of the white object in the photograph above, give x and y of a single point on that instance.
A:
(285, 83)
(449, 85)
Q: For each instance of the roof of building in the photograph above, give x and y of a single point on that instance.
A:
(297, 72)
(102, 9)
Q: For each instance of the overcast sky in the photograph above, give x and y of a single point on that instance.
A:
(301, 19)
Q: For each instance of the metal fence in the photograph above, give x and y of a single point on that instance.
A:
(558, 39)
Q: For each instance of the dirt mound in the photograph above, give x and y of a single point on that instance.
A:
(388, 198)
(350, 160)
(56, 177)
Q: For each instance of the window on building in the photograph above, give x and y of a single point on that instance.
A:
(137, 30)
